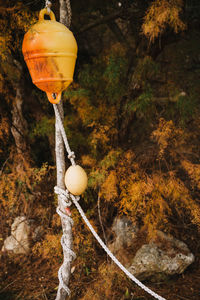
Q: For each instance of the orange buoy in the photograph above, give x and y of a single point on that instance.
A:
(50, 52)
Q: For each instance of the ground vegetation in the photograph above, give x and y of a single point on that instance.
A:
(132, 117)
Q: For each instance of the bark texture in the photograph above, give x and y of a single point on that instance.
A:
(19, 124)
(66, 226)
(60, 164)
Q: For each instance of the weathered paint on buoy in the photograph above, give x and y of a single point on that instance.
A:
(50, 52)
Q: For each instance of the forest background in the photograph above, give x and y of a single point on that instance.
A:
(132, 117)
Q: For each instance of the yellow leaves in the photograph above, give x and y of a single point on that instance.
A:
(168, 138)
(84, 109)
(193, 171)
(19, 185)
(160, 14)
(105, 178)
(88, 160)
(50, 249)
(109, 187)
(24, 19)
(103, 130)
(4, 128)
(56, 221)
(111, 159)
(100, 134)
(12, 25)
(5, 40)
(152, 199)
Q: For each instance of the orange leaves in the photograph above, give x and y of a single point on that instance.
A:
(163, 13)
(109, 187)
(84, 109)
(4, 129)
(49, 249)
(99, 134)
(169, 138)
(154, 198)
(99, 175)
(87, 160)
(193, 171)
(19, 185)
(149, 199)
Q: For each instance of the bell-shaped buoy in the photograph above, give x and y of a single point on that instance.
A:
(50, 52)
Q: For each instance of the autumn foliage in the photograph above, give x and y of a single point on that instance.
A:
(131, 117)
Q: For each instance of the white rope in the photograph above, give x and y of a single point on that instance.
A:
(69, 12)
(65, 247)
(48, 6)
(116, 261)
(65, 197)
(71, 155)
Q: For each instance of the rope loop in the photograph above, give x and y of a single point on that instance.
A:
(61, 281)
(71, 155)
(65, 247)
(64, 196)
(48, 5)
(63, 215)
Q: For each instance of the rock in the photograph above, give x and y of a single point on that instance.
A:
(161, 258)
(18, 241)
(37, 234)
(125, 232)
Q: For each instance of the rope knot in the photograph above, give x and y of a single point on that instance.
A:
(64, 196)
(71, 155)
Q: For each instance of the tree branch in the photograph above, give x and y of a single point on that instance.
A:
(111, 17)
(101, 21)
(9, 9)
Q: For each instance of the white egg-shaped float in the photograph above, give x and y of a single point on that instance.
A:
(76, 180)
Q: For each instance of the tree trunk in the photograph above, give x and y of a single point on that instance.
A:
(63, 12)
(60, 167)
(60, 164)
(19, 124)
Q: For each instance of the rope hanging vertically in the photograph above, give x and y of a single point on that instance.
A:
(69, 13)
(67, 22)
(48, 5)
(65, 12)
(66, 221)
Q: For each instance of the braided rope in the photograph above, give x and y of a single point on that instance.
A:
(48, 6)
(69, 13)
(65, 197)
(64, 242)
(71, 155)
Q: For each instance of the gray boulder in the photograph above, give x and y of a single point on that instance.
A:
(161, 258)
(18, 242)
